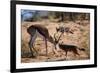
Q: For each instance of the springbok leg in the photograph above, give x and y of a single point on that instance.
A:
(30, 47)
(66, 53)
(31, 42)
(46, 47)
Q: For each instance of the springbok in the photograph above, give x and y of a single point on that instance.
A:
(41, 31)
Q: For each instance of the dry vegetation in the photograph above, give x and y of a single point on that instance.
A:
(79, 24)
(80, 38)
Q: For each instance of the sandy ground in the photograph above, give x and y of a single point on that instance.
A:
(80, 38)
